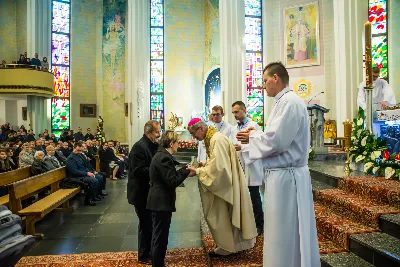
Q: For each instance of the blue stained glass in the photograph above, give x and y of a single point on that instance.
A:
(253, 25)
(157, 61)
(60, 49)
(252, 7)
(60, 21)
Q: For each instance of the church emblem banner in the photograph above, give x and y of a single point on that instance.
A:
(302, 88)
(302, 46)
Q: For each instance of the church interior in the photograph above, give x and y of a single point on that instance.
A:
(89, 75)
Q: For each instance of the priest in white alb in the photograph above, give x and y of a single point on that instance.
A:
(290, 234)
(223, 191)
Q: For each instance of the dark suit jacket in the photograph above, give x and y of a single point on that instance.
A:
(164, 179)
(76, 166)
(138, 173)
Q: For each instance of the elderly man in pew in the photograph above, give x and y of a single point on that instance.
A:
(40, 165)
(51, 157)
(76, 168)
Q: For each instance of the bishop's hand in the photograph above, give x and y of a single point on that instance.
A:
(192, 171)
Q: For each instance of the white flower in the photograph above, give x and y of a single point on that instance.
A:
(360, 158)
(375, 170)
(353, 138)
(360, 122)
(359, 133)
(389, 172)
(364, 153)
(367, 166)
(364, 141)
(375, 155)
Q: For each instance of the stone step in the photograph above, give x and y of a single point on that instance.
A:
(379, 249)
(354, 207)
(343, 259)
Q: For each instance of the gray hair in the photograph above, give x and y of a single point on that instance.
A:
(197, 125)
(150, 125)
(37, 153)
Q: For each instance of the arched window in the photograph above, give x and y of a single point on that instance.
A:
(254, 60)
(60, 65)
(377, 15)
(157, 61)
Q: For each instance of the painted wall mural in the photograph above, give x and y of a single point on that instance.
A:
(113, 62)
(212, 32)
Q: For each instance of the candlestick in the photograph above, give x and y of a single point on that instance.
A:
(347, 125)
(368, 55)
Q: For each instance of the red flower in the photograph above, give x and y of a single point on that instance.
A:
(386, 155)
(397, 158)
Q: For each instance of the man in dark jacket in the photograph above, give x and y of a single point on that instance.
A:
(76, 169)
(89, 135)
(140, 158)
(79, 135)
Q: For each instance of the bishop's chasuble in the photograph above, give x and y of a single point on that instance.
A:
(290, 233)
(225, 196)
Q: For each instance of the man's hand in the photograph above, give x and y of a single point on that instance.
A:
(201, 164)
(192, 171)
(238, 147)
(243, 136)
(384, 104)
(90, 174)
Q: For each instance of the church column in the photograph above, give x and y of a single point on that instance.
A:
(37, 113)
(137, 68)
(39, 28)
(233, 53)
(39, 41)
(349, 19)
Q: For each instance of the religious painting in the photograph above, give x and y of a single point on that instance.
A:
(302, 46)
(24, 113)
(212, 88)
(88, 110)
(302, 88)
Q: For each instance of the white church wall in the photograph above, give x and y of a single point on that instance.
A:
(320, 76)
(184, 57)
(394, 47)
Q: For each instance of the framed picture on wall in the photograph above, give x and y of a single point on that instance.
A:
(24, 113)
(302, 47)
(88, 110)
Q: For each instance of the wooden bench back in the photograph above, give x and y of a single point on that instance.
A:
(35, 183)
(14, 176)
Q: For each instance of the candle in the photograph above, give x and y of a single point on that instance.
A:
(368, 55)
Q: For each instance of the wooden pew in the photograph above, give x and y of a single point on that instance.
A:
(37, 211)
(10, 177)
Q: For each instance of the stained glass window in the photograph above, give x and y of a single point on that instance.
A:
(157, 61)
(377, 15)
(254, 60)
(60, 65)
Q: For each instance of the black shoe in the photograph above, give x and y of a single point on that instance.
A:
(260, 231)
(146, 261)
(213, 254)
(90, 203)
(96, 199)
(100, 196)
(104, 194)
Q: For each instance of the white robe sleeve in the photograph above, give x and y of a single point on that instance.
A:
(361, 102)
(388, 94)
(277, 138)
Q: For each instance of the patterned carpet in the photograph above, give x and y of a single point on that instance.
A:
(176, 257)
(354, 207)
(251, 257)
(375, 188)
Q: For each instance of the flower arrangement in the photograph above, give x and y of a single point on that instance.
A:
(191, 144)
(372, 151)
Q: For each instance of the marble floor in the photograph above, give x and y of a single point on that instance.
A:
(111, 226)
